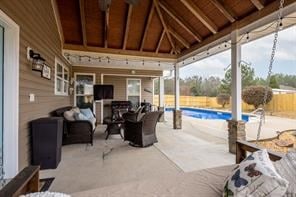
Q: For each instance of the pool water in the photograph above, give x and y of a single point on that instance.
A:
(208, 114)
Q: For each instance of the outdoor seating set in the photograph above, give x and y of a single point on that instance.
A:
(138, 126)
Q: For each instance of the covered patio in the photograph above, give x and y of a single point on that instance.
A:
(126, 45)
(114, 162)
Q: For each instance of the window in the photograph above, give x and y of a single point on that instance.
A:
(134, 91)
(84, 90)
(61, 78)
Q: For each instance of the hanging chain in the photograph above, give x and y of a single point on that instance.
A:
(273, 51)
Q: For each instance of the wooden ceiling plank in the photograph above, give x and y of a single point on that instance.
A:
(82, 19)
(147, 26)
(117, 51)
(180, 21)
(180, 38)
(238, 24)
(106, 32)
(200, 15)
(160, 41)
(127, 25)
(224, 10)
(257, 4)
(156, 4)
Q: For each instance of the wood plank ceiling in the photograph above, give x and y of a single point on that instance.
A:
(151, 27)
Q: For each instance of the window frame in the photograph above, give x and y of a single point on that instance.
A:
(56, 77)
(140, 93)
(75, 85)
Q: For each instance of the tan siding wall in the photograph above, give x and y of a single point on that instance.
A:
(38, 30)
(119, 83)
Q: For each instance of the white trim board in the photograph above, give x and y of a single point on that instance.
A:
(94, 82)
(11, 96)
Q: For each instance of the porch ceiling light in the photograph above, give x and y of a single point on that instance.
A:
(37, 60)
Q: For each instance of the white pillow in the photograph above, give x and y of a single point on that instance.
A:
(69, 115)
(286, 167)
(76, 110)
(255, 176)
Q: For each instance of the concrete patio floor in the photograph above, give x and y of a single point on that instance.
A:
(83, 167)
(198, 145)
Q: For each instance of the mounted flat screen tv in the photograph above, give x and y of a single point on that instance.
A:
(103, 92)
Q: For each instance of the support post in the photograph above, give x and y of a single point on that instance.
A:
(236, 127)
(161, 98)
(177, 112)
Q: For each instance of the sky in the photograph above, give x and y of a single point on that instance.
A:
(257, 52)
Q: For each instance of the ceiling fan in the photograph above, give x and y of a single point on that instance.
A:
(105, 4)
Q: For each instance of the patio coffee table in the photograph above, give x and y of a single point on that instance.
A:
(114, 128)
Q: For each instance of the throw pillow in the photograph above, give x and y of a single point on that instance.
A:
(69, 115)
(45, 194)
(286, 167)
(76, 110)
(80, 116)
(255, 176)
(87, 112)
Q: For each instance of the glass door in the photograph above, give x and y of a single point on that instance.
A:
(1, 98)
(84, 90)
(134, 91)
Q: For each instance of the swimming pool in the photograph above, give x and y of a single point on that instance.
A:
(208, 114)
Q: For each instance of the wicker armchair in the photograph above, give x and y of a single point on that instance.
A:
(134, 116)
(142, 133)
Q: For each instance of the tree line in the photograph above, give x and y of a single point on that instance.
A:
(213, 86)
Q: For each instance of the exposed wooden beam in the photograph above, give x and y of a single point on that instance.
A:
(199, 14)
(82, 19)
(147, 26)
(118, 51)
(238, 24)
(224, 10)
(180, 21)
(127, 25)
(258, 4)
(156, 4)
(180, 38)
(106, 28)
(58, 21)
(160, 41)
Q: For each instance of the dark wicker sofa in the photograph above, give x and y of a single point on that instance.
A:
(75, 132)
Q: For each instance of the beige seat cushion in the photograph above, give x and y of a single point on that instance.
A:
(205, 183)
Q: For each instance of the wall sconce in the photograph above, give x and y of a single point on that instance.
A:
(133, 72)
(36, 59)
